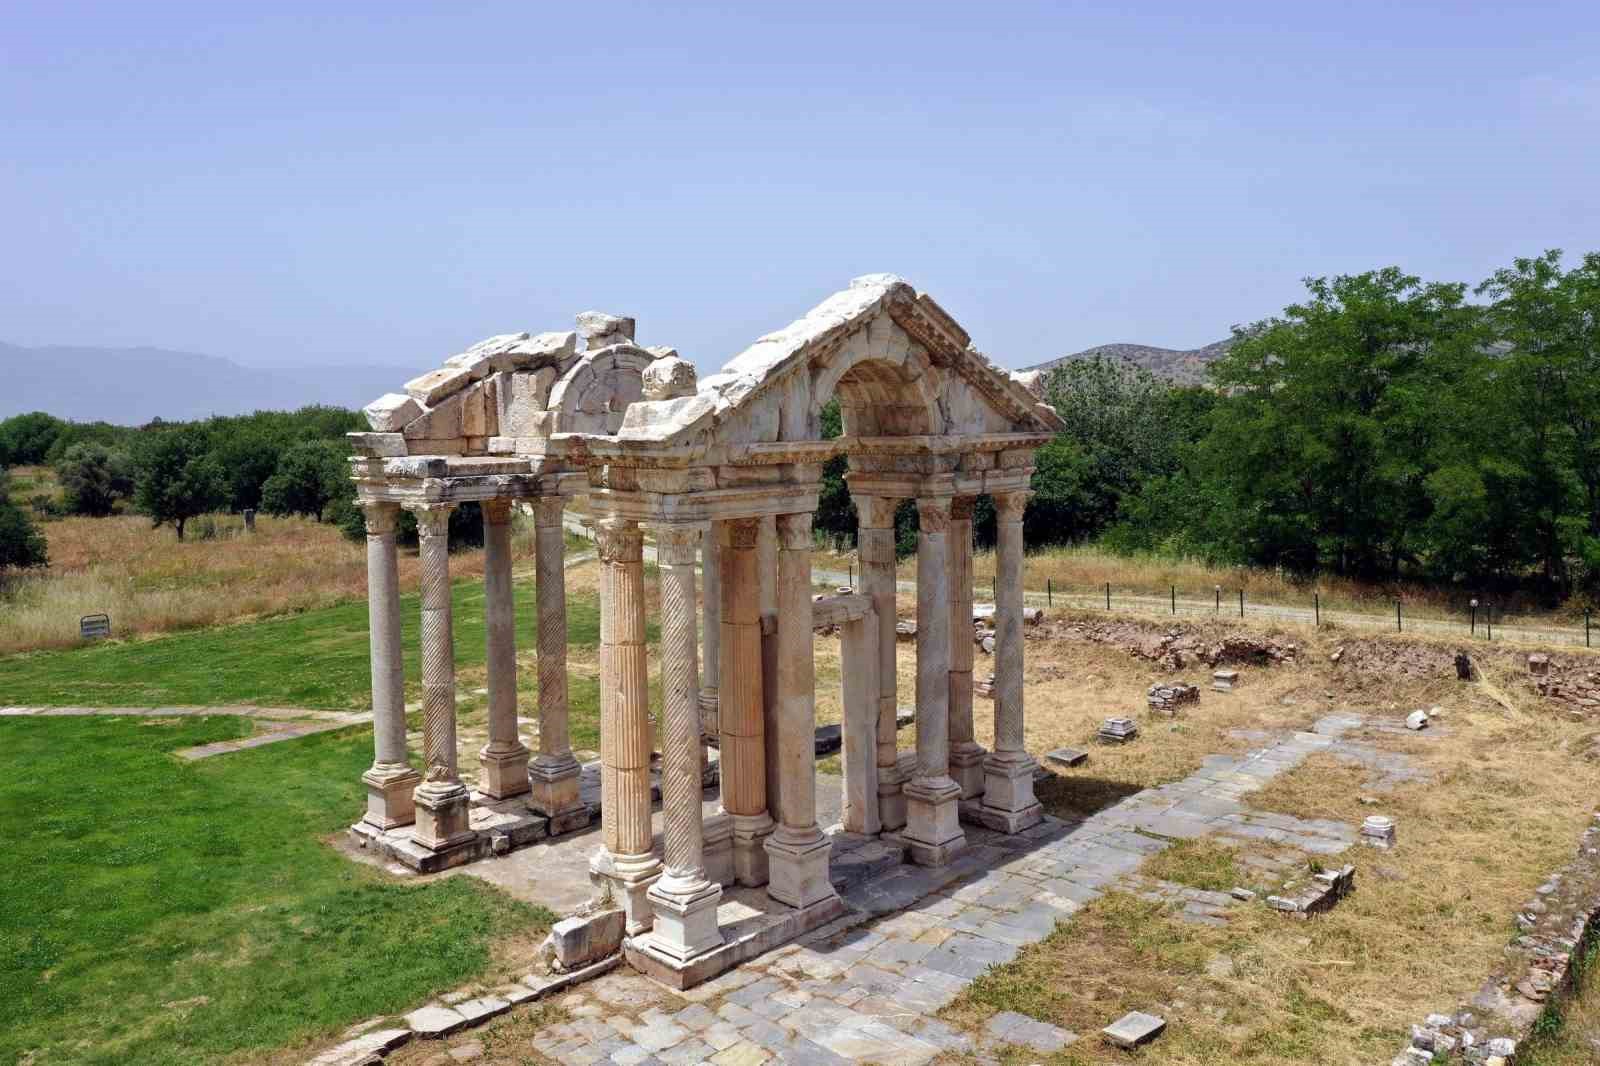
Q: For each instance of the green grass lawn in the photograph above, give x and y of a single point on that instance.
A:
(155, 911)
(317, 659)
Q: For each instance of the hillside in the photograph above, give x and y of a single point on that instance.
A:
(1184, 366)
(130, 386)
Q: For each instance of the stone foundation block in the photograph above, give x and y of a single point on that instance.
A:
(798, 872)
(580, 940)
(505, 774)
(390, 799)
(442, 818)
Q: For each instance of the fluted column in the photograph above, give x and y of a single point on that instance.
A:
(797, 851)
(554, 771)
(933, 830)
(504, 758)
(684, 901)
(442, 801)
(767, 576)
(391, 778)
(1008, 800)
(626, 858)
(711, 658)
(858, 665)
(875, 543)
(966, 755)
(739, 696)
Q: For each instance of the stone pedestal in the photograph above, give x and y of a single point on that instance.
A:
(390, 803)
(442, 810)
(685, 923)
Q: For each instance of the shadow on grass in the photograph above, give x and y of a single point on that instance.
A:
(1072, 796)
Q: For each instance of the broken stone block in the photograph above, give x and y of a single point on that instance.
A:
(668, 379)
(1243, 895)
(1133, 1029)
(391, 412)
(1378, 831)
(1417, 720)
(1117, 730)
(1224, 680)
(435, 385)
(577, 941)
(985, 688)
(600, 330)
(1538, 664)
(1327, 888)
(1067, 757)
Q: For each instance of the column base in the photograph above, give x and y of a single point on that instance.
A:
(553, 781)
(1008, 803)
(710, 716)
(505, 773)
(685, 923)
(891, 792)
(390, 803)
(797, 864)
(719, 850)
(966, 768)
(627, 878)
(750, 832)
(933, 832)
(442, 815)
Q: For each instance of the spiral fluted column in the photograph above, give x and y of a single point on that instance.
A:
(684, 901)
(442, 800)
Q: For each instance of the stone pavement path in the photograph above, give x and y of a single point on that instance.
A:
(859, 992)
(275, 723)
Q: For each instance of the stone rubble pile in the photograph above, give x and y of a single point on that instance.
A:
(1327, 887)
(1578, 690)
(1165, 697)
(1177, 647)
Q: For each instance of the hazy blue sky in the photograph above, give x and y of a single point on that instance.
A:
(303, 183)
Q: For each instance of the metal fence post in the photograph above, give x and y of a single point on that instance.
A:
(1174, 599)
(1316, 607)
(1049, 594)
(1241, 603)
(1218, 609)
(1586, 643)
(1108, 595)
(1398, 628)
(1488, 620)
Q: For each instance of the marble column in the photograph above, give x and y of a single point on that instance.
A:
(711, 660)
(504, 760)
(966, 755)
(554, 772)
(767, 576)
(626, 861)
(1008, 800)
(797, 851)
(933, 829)
(875, 544)
(739, 697)
(442, 800)
(858, 666)
(684, 901)
(391, 778)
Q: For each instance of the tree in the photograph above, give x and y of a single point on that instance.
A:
(21, 544)
(26, 439)
(309, 476)
(176, 477)
(94, 478)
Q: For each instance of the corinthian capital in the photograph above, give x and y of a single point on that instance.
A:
(1009, 506)
(619, 540)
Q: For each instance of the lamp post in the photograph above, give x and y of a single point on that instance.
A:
(1473, 603)
(1219, 599)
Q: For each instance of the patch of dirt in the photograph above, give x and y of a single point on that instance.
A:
(1172, 646)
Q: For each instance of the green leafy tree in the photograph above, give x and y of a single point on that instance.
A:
(309, 476)
(26, 439)
(21, 544)
(176, 477)
(94, 478)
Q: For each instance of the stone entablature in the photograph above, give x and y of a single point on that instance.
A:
(724, 474)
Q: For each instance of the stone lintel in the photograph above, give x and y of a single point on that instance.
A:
(705, 506)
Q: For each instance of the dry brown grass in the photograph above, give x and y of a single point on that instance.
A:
(1507, 798)
(150, 582)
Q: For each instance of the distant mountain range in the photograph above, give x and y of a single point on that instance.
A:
(1183, 366)
(131, 386)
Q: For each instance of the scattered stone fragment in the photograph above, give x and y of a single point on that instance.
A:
(1377, 830)
(1538, 664)
(581, 939)
(1224, 680)
(1338, 653)
(1067, 757)
(985, 688)
(363, 1048)
(1326, 888)
(1244, 895)
(1133, 1029)
(1117, 730)
(1417, 720)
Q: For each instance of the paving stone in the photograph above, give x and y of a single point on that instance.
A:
(435, 1021)
(743, 1053)
(1133, 1029)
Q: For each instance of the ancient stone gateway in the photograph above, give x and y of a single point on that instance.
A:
(724, 472)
